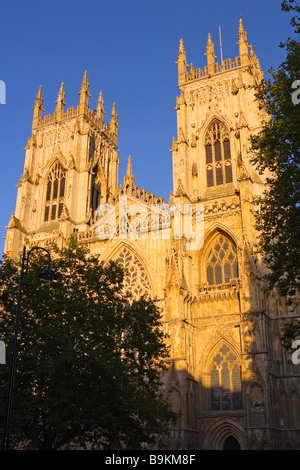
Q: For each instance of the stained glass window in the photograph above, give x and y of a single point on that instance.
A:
(221, 264)
(226, 383)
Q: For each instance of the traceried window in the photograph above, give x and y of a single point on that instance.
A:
(135, 279)
(226, 382)
(55, 192)
(221, 264)
(218, 155)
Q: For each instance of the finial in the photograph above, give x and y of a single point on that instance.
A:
(114, 110)
(181, 46)
(84, 85)
(113, 124)
(129, 167)
(61, 95)
(242, 32)
(129, 178)
(243, 43)
(39, 98)
(60, 102)
(181, 62)
(100, 106)
(114, 116)
(84, 92)
(38, 108)
(85, 82)
(210, 54)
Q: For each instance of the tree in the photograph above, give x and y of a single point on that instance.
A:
(89, 357)
(277, 151)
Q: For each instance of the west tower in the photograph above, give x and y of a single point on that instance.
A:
(71, 166)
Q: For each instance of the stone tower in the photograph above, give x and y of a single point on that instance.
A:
(71, 166)
(228, 374)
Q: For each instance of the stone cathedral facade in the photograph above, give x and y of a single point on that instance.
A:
(228, 373)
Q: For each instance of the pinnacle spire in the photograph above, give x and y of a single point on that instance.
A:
(114, 120)
(61, 94)
(243, 43)
(100, 107)
(181, 47)
(210, 54)
(38, 108)
(114, 111)
(181, 62)
(85, 84)
(129, 178)
(84, 92)
(39, 98)
(60, 102)
(129, 167)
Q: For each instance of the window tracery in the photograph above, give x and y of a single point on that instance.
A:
(218, 155)
(226, 382)
(221, 265)
(55, 192)
(135, 276)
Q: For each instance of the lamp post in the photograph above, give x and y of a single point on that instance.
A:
(48, 275)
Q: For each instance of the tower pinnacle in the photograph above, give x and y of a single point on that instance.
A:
(210, 54)
(114, 120)
(100, 107)
(60, 102)
(38, 108)
(181, 62)
(129, 178)
(84, 92)
(243, 43)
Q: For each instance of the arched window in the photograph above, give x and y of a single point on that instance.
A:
(221, 264)
(218, 155)
(135, 276)
(55, 192)
(226, 382)
(95, 190)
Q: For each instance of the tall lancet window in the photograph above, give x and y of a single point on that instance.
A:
(226, 381)
(55, 192)
(218, 155)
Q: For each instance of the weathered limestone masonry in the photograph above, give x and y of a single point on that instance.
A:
(228, 374)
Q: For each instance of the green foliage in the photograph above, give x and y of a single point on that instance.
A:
(277, 151)
(291, 331)
(89, 357)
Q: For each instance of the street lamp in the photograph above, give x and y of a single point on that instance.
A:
(48, 275)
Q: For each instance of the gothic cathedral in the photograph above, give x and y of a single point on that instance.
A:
(228, 375)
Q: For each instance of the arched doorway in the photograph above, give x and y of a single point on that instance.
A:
(232, 443)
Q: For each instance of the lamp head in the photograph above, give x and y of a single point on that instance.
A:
(48, 274)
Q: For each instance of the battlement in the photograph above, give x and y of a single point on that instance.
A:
(246, 58)
(197, 74)
(60, 114)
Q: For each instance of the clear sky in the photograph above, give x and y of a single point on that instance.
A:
(129, 49)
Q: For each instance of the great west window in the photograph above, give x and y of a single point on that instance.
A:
(55, 192)
(218, 155)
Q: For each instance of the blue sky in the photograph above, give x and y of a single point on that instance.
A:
(129, 49)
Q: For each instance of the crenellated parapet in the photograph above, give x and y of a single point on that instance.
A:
(61, 114)
(246, 58)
